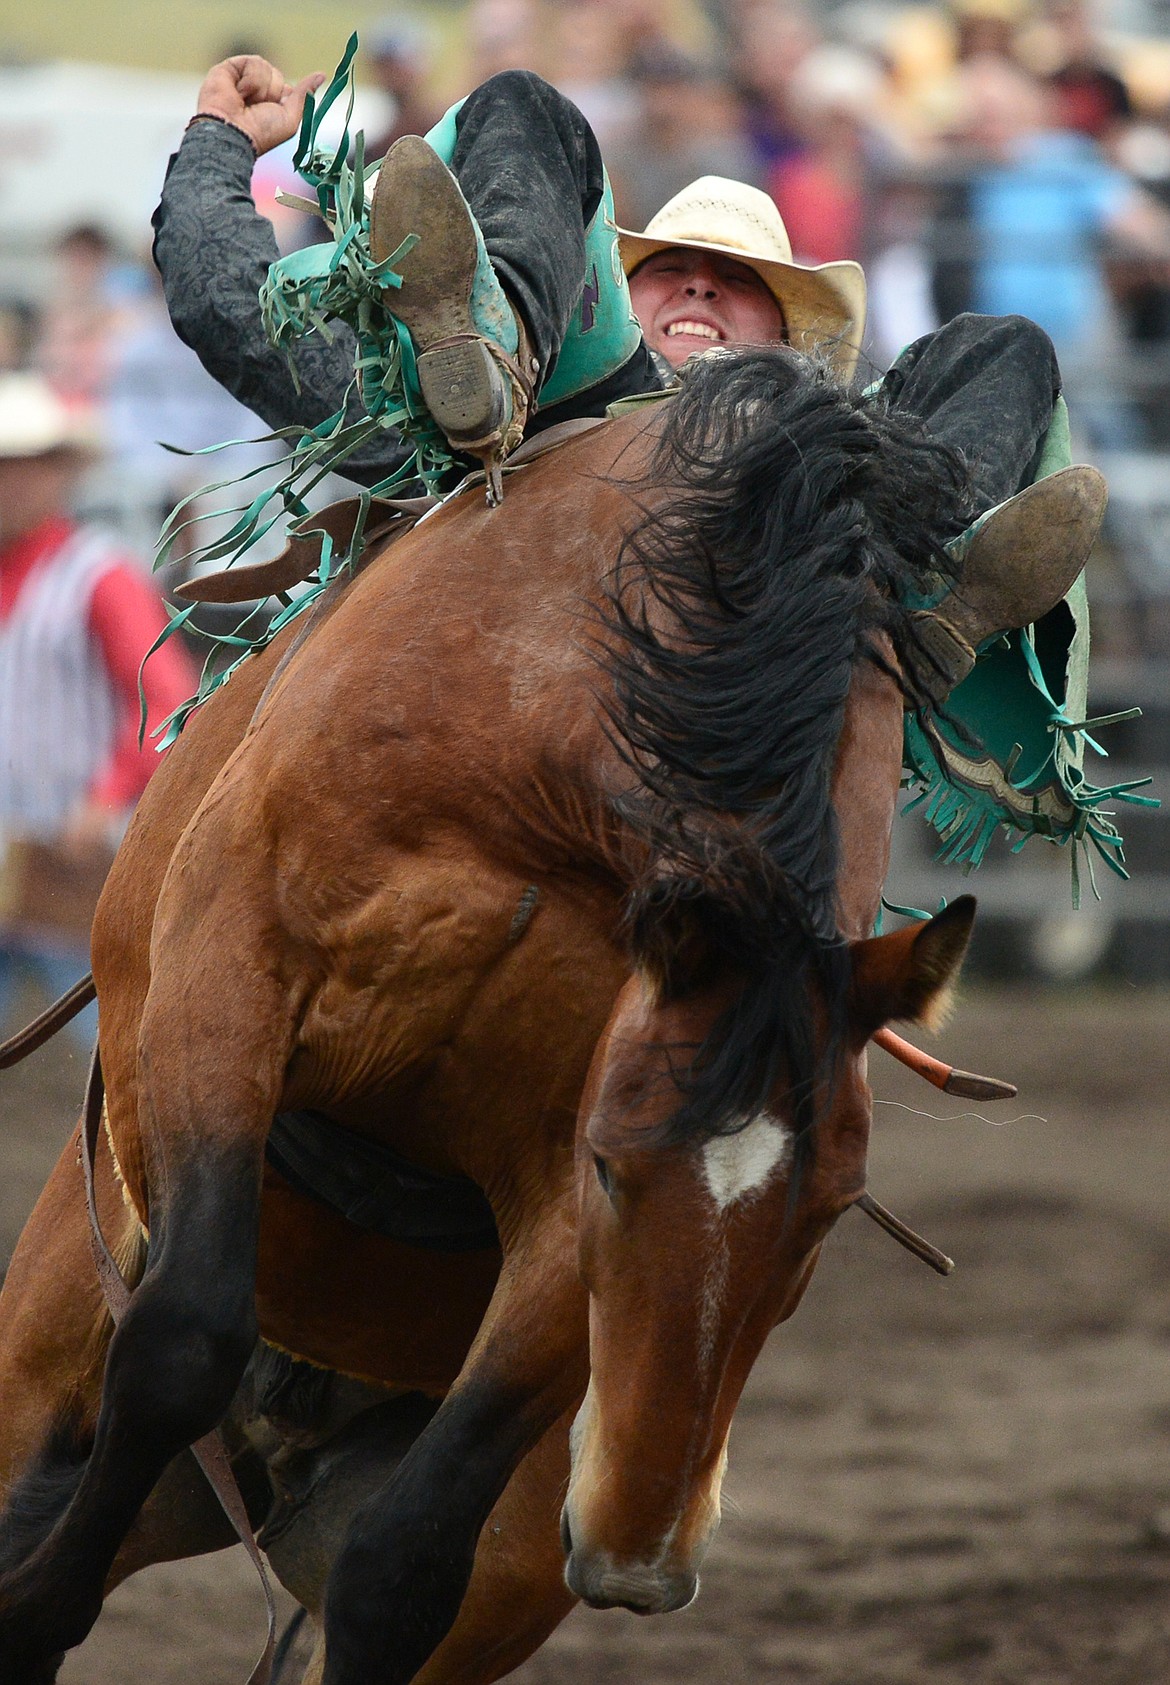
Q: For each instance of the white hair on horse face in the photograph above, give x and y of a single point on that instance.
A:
(740, 1164)
(734, 1167)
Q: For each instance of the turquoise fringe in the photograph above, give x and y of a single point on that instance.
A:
(338, 281)
(966, 819)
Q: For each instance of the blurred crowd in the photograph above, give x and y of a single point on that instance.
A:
(990, 156)
(993, 156)
(101, 338)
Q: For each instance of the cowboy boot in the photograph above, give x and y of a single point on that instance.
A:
(1017, 561)
(475, 369)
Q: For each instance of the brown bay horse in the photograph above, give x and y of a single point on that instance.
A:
(681, 771)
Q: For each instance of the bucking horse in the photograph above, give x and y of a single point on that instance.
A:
(545, 857)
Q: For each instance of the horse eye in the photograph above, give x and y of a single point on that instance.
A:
(602, 1170)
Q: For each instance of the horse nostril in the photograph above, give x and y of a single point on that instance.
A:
(566, 1533)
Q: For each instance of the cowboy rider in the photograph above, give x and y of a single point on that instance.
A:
(526, 305)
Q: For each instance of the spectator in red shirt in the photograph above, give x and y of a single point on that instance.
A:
(835, 102)
(1091, 97)
(76, 617)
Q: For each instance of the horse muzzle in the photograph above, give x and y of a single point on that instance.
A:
(603, 1581)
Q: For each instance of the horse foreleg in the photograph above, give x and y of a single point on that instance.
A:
(174, 1364)
(180, 1350)
(517, 1595)
(398, 1583)
(54, 1336)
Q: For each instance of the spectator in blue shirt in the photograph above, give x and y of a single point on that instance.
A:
(1042, 206)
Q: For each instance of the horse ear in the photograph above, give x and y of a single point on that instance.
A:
(911, 974)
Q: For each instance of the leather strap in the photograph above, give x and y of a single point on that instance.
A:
(117, 1294)
(968, 1084)
(551, 439)
(210, 1452)
(253, 581)
(558, 434)
(938, 1261)
(52, 1019)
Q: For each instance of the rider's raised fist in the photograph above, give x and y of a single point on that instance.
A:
(253, 94)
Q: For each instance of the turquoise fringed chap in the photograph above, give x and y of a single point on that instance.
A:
(1010, 756)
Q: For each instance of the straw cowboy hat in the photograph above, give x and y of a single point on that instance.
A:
(824, 306)
(34, 421)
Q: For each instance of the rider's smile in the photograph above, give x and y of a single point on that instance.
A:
(687, 301)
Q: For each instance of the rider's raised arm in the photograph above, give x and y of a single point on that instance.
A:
(213, 249)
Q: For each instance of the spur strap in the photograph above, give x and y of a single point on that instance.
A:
(210, 1452)
(948, 656)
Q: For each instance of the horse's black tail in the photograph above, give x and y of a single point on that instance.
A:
(42, 1494)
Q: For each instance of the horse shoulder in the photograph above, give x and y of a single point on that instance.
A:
(124, 920)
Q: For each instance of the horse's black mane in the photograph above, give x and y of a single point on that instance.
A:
(803, 518)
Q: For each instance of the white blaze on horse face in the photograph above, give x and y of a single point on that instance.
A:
(740, 1164)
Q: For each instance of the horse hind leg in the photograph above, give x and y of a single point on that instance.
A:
(207, 1094)
(336, 1441)
(54, 1337)
(40, 1496)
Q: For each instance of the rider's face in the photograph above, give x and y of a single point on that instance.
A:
(689, 300)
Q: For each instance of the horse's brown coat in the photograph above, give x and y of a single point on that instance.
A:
(313, 907)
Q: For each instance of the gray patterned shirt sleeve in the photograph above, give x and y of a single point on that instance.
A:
(213, 249)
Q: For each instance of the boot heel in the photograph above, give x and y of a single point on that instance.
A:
(462, 389)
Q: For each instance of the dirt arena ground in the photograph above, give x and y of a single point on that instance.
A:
(963, 1480)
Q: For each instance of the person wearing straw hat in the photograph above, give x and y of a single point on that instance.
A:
(76, 617)
(478, 289)
(525, 304)
(721, 247)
